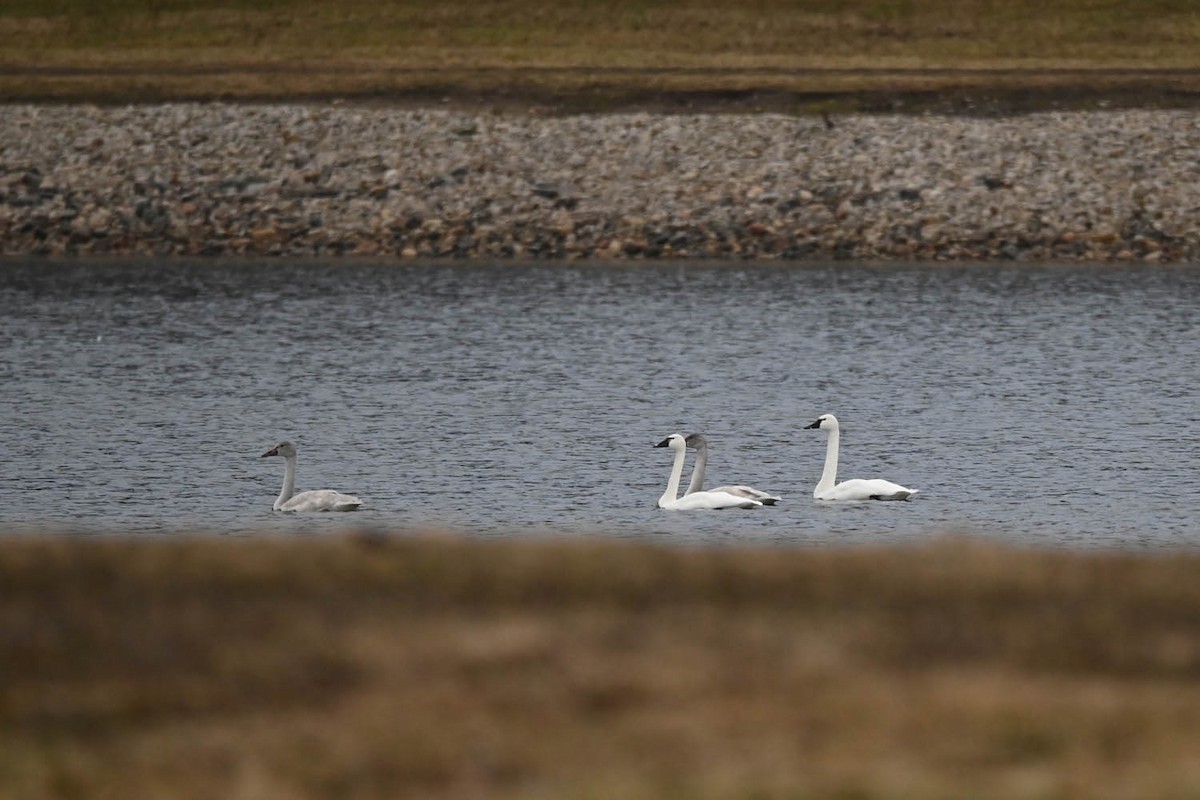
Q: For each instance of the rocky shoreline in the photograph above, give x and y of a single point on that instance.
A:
(314, 181)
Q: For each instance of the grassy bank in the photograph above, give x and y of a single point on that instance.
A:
(158, 49)
(367, 667)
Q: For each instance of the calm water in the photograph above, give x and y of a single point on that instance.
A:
(1038, 405)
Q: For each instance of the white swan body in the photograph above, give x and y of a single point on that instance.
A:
(315, 500)
(714, 499)
(700, 444)
(854, 489)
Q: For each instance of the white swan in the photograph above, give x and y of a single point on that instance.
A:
(700, 445)
(315, 500)
(854, 489)
(696, 499)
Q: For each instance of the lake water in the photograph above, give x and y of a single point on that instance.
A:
(1046, 406)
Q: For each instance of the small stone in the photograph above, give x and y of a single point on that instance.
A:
(263, 234)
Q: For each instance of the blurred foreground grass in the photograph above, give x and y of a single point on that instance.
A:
(162, 49)
(364, 666)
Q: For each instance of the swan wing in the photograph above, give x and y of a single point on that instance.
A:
(875, 489)
(710, 499)
(321, 500)
(749, 491)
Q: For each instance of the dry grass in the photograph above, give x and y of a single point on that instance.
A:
(629, 33)
(160, 49)
(362, 667)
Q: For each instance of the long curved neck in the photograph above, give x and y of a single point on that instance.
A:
(697, 482)
(672, 491)
(289, 482)
(829, 473)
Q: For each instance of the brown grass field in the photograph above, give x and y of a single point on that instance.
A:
(370, 666)
(792, 55)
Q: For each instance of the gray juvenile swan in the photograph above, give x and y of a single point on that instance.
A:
(700, 445)
(856, 488)
(315, 500)
(669, 499)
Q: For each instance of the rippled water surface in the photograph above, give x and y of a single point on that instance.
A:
(1038, 405)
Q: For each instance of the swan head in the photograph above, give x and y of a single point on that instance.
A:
(696, 441)
(825, 422)
(285, 449)
(674, 441)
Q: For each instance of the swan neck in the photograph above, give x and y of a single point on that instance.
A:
(697, 482)
(672, 492)
(829, 473)
(289, 481)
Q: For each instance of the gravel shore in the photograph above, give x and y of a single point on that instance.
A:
(293, 180)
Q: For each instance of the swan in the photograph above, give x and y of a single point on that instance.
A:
(315, 500)
(854, 489)
(696, 499)
(700, 444)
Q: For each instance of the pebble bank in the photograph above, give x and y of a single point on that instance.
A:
(301, 181)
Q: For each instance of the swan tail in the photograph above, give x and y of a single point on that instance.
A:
(903, 494)
(344, 502)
